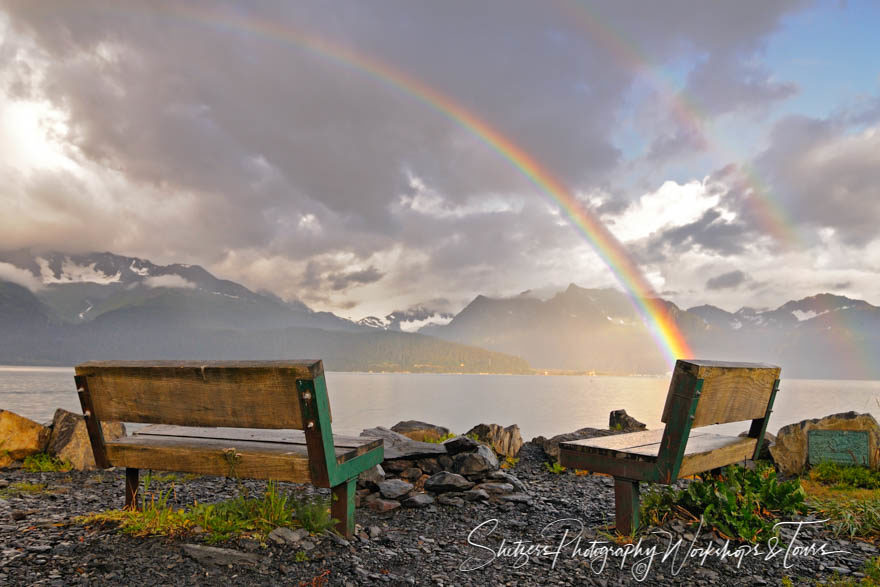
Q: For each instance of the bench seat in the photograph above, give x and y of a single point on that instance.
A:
(281, 455)
(702, 451)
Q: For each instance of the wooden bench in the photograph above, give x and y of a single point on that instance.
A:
(257, 420)
(701, 393)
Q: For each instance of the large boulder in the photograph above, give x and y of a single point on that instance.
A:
(70, 439)
(620, 421)
(20, 437)
(551, 445)
(504, 441)
(478, 463)
(460, 444)
(421, 431)
(398, 446)
(790, 450)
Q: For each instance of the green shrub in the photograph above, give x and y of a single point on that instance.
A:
(554, 467)
(45, 463)
(845, 476)
(739, 503)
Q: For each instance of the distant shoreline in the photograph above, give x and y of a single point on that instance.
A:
(533, 372)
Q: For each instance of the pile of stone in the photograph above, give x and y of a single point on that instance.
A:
(65, 437)
(463, 468)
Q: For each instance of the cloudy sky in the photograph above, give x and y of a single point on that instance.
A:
(734, 150)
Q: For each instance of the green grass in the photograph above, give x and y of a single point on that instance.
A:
(852, 517)
(845, 476)
(738, 504)
(241, 516)
(20, 487)
(45, 463)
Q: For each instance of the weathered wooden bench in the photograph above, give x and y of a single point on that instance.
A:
(701, 393)
(256, 420)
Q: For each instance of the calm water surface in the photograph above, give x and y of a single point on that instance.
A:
(541, 405)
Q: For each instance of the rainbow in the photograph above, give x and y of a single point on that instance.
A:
(656, 313)
(767, 211)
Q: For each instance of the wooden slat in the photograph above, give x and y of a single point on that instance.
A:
(304, 368)
(246, 395)
(643, 470)
(733, 394)
(696, 444)
(731, 391)
(615, 442)
(257, 435)
(257, 460)
(735, 451)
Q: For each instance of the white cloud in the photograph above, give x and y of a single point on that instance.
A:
(22, 277)
(672, 205)
(414, 325)
(169, 281)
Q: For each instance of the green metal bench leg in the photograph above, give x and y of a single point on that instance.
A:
(626, 505)
(342, 506)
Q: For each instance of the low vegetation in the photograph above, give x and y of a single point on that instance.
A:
(45, 463)
(554, 467)
(848, 496)
(740, 504)
(20, 487)
(242, 516)
(441, 439)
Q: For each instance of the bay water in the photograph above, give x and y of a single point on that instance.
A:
(540, 405)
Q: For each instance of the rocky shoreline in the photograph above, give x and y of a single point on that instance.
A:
(44, 544)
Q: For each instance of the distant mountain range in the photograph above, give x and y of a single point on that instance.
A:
(106, 306)
(822, 336)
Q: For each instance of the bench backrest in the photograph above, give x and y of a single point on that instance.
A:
(721, 391)
(240, 394)
(703, 393)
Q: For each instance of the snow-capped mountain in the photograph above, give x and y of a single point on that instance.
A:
(411, 320)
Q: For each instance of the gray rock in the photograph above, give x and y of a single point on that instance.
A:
(476, 495)
(398, 446)
(383, 505)
(444, 481)
(620, 420)
(551, 445)
(504, 441)
(213, 556)
(494, 488)
(372, 477)
(397, 466)
(429, 466)
(419, 500)
(394, 488)
(445, 462)
(375, 531)
(411, 474)
(516, 498)
(287, 536)
(450, 499)
(508, 478)
(476, 463)
(460, 444)
(421, 431)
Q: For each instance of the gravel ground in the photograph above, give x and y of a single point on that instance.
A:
(39, 543)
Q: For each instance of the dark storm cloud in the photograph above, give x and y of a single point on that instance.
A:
(727, 280)
(340, 281)
(710, 232)
(220, 139)
(826, 173)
